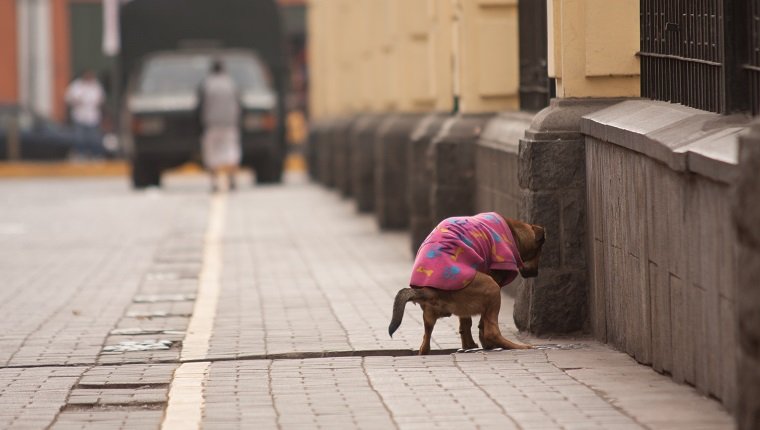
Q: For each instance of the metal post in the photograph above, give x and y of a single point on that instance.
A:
(14, 141)
(115, 95)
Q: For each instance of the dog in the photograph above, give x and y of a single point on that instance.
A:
(460, 269)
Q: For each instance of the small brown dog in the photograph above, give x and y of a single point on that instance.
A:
(460, 269)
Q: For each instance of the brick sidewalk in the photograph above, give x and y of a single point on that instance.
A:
(302, 276)
(304, 273)
(74, 255)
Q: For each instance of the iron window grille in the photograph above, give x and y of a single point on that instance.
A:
(752, 66)
(536, 89)
(693, 52)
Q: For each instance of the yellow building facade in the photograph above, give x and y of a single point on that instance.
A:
(430, 55)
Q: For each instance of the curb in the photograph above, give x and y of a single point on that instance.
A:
(21, 169)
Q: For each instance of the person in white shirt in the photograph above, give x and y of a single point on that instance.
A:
(85, 98)
(220, 117)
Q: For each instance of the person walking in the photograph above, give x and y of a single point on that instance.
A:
(220, 116)
(85, 97)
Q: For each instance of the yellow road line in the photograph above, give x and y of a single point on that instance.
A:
(185, 408)
(195, 345)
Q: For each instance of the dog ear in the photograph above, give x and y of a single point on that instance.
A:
(533, 252)
(540, 234)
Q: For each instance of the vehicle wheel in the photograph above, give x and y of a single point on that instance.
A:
(155, 176)
(269, 173)
(145, 174)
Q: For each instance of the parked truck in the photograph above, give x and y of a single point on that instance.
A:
(167, 47)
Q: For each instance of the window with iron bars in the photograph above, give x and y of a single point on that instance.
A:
(536, 89)
(752, 66)
(701, 53)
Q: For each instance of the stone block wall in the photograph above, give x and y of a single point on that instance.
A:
(662, 250)
(663, 267)
(551, 174)
(746, 215)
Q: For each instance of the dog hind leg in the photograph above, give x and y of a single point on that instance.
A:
(491, 336)
(429, 318)
(489, 332)
(465, 332)
(480, 333)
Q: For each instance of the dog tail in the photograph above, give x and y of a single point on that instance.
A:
(403, 296)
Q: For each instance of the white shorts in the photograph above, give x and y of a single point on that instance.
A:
(221, 147)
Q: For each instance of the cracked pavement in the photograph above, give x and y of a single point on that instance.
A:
(298, 333)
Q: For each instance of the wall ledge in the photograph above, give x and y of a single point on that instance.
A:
(683, 138)
(504, 131)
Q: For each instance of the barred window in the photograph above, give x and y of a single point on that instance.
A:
(752, 67)
(694, 52)
(535, 86)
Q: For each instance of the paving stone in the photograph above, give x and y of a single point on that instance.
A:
(128, 375)
(32, 397)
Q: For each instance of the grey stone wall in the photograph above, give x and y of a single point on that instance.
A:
(552, 175)
(662, 250)
(746, 213)
(663, 267)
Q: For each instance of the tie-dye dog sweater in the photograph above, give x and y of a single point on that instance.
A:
(459, 247)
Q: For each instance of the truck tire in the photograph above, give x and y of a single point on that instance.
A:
(268, 171)
(145, 174)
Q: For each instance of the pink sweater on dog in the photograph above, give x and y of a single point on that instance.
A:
(459, 247)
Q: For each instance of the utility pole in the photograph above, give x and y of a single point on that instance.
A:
(111, 48)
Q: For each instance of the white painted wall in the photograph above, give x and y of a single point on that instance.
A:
(35, 55)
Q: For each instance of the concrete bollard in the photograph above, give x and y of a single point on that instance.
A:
(391, 185)
(341, 154)
(496, 161)
(316, 129)
(323, 152)
(420, 173)
(362, 141)
(453, 174)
